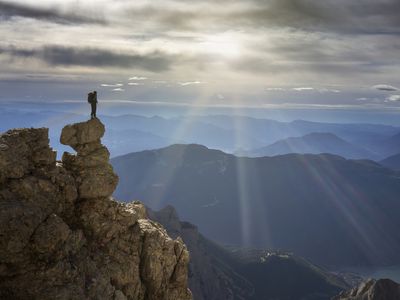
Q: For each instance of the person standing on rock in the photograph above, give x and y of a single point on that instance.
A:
(92, 99)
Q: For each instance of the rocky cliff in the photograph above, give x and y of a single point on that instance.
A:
(382, 289)
(63, 237)
(211, 275)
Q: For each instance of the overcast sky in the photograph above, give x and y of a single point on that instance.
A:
(289, 53)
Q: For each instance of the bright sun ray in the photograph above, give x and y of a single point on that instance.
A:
(337, 196)
(244, 190)
(225, 45)
(179, 135)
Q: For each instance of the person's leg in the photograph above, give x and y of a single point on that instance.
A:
(94, 110)
(93, 113)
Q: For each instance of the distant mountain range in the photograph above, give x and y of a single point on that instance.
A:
(129, 133)
(333, 211)
(392, 162)
(218, 273)
(390, 146)
(313, 143)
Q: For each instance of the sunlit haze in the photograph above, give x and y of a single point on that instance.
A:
(286, 54)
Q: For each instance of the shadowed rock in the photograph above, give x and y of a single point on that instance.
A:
(382, 289)
(23, 150)
(63, 237)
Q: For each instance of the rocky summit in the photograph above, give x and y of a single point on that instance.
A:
(382, 289)
(64, 237)
(90, 166)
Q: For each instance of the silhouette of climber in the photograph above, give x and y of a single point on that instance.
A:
(92, 99)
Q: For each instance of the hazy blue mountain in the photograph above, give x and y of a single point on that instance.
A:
(392, 162)
(130, 140)
(227, 133)
(217, 272)
(271, 131)
(313, 143)
(187, 130)
(381, 140)
(328, 209)
(390, 146)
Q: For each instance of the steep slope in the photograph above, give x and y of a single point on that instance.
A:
(383, 289)
(221, 273)
(308, 204)
(63, 237)
(211, 273)
(392, 162)
(314, 143)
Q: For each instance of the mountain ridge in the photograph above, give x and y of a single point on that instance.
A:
(392, 162)
(329, 200)
(228, 133)
(313, 143)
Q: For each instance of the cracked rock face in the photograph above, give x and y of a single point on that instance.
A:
(382, 289)
(91, 167)
(63, 237)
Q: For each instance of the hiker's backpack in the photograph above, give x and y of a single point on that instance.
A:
(90, 97)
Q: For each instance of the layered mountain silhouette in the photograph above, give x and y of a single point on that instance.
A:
(333, 211)
(313, 143)
(218, 273)
(389, 146)
(230, 133)
(392, 162)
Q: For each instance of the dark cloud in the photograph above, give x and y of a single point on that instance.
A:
(301, 41)
(385, 87)
(365, 16)
(342, 16)
(68, 56)
(172, 18)
(10, 10)
(322, 49)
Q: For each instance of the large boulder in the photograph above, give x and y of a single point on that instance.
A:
(78, 134)
(90, 166)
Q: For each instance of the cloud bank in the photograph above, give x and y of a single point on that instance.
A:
(295, 49)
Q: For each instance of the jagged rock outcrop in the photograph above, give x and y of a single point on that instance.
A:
(63, 237)
(382, 289)
(91, 168)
